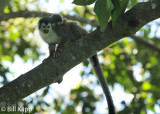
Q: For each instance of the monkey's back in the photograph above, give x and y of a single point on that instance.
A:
(70, 31)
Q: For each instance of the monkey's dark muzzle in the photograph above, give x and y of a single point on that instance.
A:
(46, 31)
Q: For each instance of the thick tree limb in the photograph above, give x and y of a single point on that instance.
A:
(53, 69)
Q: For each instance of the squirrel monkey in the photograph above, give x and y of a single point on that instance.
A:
(56, 30)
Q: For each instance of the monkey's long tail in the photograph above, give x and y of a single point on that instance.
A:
(98, 71)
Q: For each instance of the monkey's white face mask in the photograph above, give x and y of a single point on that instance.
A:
(46, 31)
(45, 28)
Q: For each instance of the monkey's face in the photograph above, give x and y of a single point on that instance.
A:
(45, 25)
(47, 32)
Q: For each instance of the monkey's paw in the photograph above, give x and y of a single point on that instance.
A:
(57, 53)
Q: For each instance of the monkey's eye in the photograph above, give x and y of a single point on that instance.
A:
(43, 26)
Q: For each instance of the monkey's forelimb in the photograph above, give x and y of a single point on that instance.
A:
(98, 71)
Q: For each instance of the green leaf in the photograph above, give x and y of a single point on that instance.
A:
(118, 11)
(123, 5)
(45, 91)
(110, 5)
(6, 10)
(103, 10)
(146, 86)
(86, 63)
(115, 15)
(116, 4)
(83, 2)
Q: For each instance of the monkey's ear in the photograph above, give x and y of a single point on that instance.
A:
(60, 23)
(63, 22)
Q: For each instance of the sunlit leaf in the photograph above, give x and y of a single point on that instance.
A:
(146, 86)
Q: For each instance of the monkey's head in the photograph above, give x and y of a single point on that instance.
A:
(57, 20)
(45, 25)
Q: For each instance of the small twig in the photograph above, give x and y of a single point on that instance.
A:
(149, 43)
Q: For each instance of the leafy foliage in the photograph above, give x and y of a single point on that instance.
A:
(105, 9)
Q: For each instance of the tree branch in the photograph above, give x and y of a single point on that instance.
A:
(28, 14)
(53, 69)
(149, 44)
